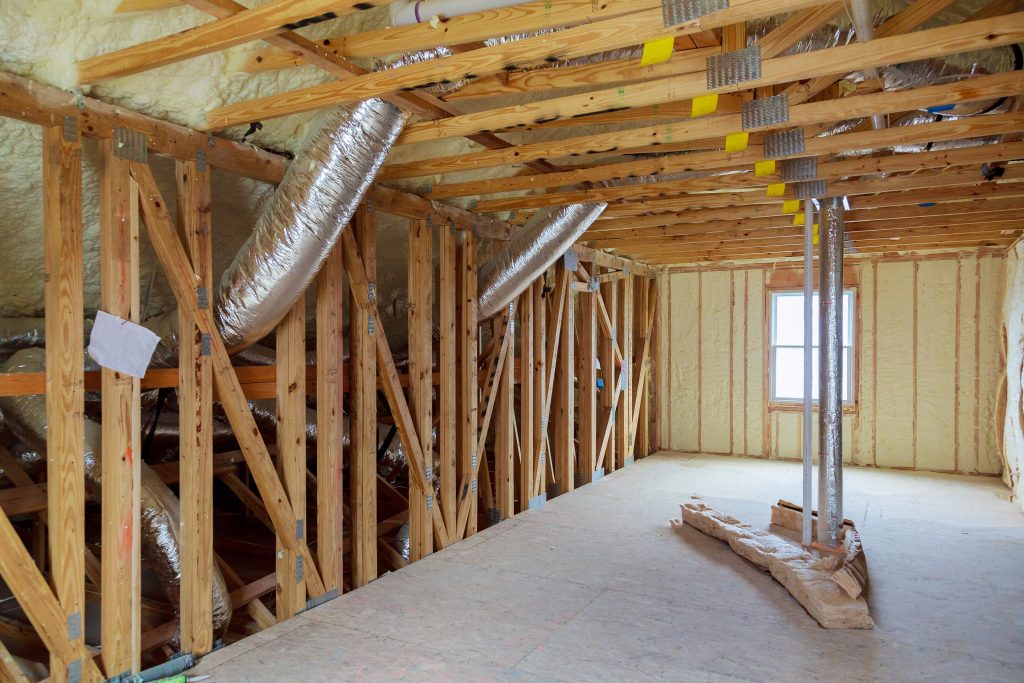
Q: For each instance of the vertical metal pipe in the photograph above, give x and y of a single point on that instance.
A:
(830, 401)
(808, 501)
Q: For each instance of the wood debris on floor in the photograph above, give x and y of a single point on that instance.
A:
(828, 585)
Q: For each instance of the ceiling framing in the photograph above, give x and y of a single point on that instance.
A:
(647, 124)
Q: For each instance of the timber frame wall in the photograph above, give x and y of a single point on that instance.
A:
(536, 381)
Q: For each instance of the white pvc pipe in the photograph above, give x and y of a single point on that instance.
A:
(808, 357)
(418, 11)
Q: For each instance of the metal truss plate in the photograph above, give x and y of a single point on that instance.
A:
(676, 12)
(130, 144)
(801, 168)
(784, 143)
(810, 189)
(766, 111)
(734, 67)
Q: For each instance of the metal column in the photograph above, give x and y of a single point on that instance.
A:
(808, 356)
(830, 341)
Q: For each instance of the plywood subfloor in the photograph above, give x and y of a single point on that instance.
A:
(596, 587)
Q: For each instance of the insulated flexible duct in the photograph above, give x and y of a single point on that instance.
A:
(545, 237)
(160, 515)
(830, 409)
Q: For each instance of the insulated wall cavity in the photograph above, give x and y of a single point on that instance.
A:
(927, 363)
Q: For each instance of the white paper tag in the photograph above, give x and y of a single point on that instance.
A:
(121, 345)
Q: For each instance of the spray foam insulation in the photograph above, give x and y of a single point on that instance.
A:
(927, 354)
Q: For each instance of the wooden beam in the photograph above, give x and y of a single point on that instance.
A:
(291, 455)
(32, 102)
(711, 128)
(468, 389)
(9, 669)
(605, 450)
(457, 30)
(564, 446)
(48, 617)
(330, 418)
(646, 308)
(587, 387)
(121, 628)
(928, 44)
(195, 399)
(527, 390)
(363, 409)
(421, 389)
(389, 382)
(623, 425)
(65, 396)
(922, 133)
(448, 425)
(264, 20)
(540, 383)
(183, 279)
(413, 207)
(504, 431)
(573, 42)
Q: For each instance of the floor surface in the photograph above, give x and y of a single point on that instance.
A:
(597, 587)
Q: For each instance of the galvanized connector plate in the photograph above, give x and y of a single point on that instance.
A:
(784, 143)
(810, 189)
(130, 144)
(734, 67)
(766, 111)
(801, 168)
(676, 12)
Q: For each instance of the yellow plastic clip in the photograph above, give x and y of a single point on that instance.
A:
(736, 142)
(657, 51)
(791, 206)
(776, 189)
(703, 105)
(763, 168)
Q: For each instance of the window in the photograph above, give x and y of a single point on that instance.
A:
(787, 353)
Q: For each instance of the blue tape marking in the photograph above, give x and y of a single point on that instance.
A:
(940, 108)
(927, 204)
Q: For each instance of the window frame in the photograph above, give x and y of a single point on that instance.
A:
(849, 405)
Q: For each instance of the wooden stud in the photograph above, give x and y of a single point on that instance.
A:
(564, 448)
(587, 386)
(448, 424)
(468, 389)
(48, 617)
(504, 432)
(609, 293)
(329, 418)
(540, 388)
(421, 387)
(641, 432)
(121, 629)
(183, 281)
(363, 405)
(65, 396)
(623, 423)
(527, 426)
(291, 455)
(195, 399)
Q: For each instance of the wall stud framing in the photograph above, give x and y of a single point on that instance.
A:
(420, 380)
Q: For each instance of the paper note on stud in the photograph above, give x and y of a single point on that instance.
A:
(121, 345)
(776, 189)
(736, 142)
(703, 105)
(657, 51)
(791, 206)
(763, 168)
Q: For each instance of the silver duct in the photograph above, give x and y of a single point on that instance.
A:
(864, 27)
(161, 516)
(312, 205)
(830, 395)
(545, 237)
